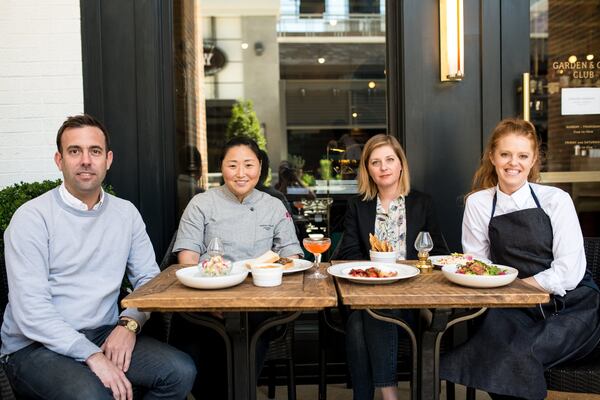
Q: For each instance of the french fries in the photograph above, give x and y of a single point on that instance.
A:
(379, 245)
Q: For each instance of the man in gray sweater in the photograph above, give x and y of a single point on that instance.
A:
(66, 254)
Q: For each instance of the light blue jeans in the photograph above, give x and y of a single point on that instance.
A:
(160, 370)
(372, 351)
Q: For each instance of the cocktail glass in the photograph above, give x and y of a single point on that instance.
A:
(299, 206)
(317, 244)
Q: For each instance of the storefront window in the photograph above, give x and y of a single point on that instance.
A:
(314, 72)
(565, 99)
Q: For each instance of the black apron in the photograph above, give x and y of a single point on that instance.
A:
(511, 348)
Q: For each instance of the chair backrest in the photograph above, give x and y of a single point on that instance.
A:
(592, 256)
(169, 258)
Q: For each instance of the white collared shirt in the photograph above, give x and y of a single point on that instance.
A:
(74, 202)
(568, 267)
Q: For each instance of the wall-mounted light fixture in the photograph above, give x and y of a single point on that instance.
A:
(259, 48)
(452, 41)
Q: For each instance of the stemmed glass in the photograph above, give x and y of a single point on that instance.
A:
(215, 247)
(299, 206)
(423, 245)
(317, 244)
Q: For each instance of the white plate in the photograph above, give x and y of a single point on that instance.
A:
(342, 270)
(299, 265)
(190, 276)
(439, 260)
(480, 281)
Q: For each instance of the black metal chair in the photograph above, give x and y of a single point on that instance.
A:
(158, 326)
(583, 375)
(281, 351)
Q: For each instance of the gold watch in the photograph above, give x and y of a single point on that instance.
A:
(129, 324)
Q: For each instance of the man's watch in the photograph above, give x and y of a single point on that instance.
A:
(129, 324)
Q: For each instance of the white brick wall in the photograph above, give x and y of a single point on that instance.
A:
(40, 84)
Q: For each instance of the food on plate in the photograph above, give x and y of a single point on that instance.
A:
(454, 258)
(270, 257)
(371, 272)
(215, 266)
(380, 245)
(476, 267)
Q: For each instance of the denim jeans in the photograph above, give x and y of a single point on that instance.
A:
(372, 351)
(162, 371)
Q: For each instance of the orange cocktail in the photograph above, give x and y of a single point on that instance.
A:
(317, 244)
(316, 247)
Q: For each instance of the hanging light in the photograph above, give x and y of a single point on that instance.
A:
(451, 40)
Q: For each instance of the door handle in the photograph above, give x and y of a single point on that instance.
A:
(526, 92)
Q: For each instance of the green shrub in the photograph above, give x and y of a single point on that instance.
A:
(244, 122)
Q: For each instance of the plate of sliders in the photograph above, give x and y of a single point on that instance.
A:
(290, 265)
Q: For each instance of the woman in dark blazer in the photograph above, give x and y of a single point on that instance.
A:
(360, 219)
(388, 208)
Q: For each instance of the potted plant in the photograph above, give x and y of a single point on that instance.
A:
(244, 122)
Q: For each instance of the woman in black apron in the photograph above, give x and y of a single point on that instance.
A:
(535, 229)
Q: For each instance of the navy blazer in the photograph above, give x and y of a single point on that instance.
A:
(360, 221)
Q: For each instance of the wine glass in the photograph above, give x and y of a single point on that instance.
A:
(299, 206)
(423, 245)
(317, 244)
(215, 247)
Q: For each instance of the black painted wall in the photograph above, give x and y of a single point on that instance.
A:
(445, 124)
(127, 74)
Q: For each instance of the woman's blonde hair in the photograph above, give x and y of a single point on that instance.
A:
(366, 185)
(485, 176)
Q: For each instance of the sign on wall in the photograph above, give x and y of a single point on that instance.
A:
(214, 59)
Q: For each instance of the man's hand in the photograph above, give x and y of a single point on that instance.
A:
(118, 347)
(110, 376)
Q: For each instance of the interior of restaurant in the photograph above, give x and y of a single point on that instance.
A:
(323, 76)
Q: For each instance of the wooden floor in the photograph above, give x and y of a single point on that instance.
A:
(339, 392)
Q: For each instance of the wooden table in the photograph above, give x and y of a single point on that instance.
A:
(437, 298)
(298, 292)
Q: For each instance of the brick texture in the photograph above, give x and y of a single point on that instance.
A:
(40, 84)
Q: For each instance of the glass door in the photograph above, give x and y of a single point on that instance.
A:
(562, 90)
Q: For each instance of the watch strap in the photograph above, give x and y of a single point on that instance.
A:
(129, 324)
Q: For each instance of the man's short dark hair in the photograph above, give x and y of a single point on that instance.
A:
(79, 121)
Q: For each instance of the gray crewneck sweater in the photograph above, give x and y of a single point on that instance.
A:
(65, 269)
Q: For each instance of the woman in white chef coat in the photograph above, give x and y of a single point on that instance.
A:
(513, 221)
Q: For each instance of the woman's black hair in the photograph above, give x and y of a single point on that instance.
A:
(241, 141)
(264, 167)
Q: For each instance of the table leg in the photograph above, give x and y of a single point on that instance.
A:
(429, 354)
(322, 357)
(438, 321)
(218, 326)
(413, 344)
(263, 327)
(236, 325)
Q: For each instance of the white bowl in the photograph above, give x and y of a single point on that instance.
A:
(383, 256)
(267, 274)
(480, 281)
(191, 276)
